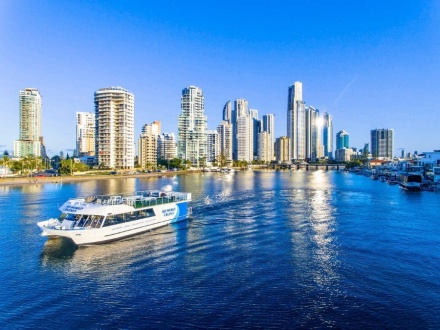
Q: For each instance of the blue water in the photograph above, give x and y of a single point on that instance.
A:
(264, 250)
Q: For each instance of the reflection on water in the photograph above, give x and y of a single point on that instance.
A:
(57, 250)
(117, 255)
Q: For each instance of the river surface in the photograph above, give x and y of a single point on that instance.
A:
(268, 250)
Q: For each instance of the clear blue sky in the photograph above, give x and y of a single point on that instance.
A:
(371, 64)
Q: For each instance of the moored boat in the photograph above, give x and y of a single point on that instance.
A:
(411, 182)
(100, 219)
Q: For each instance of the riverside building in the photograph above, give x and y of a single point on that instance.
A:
(265, 147)
(268, 125)
(225, 140)
(192, 125)
(147, 145)
(282, 150)
(30, 139)
(382, 142)
(85, 134)
(244, 131)
(166, 146)
(296, 125)
(213, 146)
(114, 116)
(314, 146)
(327, 136)
(342, 140)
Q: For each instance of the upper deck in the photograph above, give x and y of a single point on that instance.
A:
(102, 204)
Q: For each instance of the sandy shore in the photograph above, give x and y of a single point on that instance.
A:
(21, 181)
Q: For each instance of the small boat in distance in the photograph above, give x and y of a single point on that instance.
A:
(100, 219)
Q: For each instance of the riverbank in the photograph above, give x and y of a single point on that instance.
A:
(22, 181)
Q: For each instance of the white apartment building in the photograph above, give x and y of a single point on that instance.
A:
(245, 138)
(192, 125)
(225, 132)
(29, 142)
(268, 125)
(213, 145)
(114, 113)
(166, 146)
(85, 134)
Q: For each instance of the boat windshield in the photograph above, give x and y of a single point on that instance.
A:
(83, 220)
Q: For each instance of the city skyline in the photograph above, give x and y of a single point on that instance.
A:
(368, 65)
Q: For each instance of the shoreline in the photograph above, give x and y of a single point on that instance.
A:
(25, 181)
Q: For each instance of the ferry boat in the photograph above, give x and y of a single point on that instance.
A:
(100, 219)
(412, 182)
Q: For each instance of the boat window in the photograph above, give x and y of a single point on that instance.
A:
(147, 213)
(131, 216)
(109, 221)
(119, 218)
(96, 221)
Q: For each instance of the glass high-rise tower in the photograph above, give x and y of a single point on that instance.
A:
(296, 124)
(327, 136)
(342, 140)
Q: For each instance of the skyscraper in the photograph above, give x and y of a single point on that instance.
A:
(296, 121)
(114, 115)
(227, 112)
(192, 125)
(225, 136)
(314, 146)
(268, 125)
(85, 134)
(243, 131)
(382, 142)
(256, 128)
(342, 140)
(29, 142)
(327, 136)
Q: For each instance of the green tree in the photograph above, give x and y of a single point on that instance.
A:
(176, 163)
(202, 162)
(222, 160)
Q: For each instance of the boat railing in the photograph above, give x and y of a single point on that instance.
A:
(141, 199)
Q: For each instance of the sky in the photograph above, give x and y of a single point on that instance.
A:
(370, 64)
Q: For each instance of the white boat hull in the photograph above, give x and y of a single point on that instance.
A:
(165, 214)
